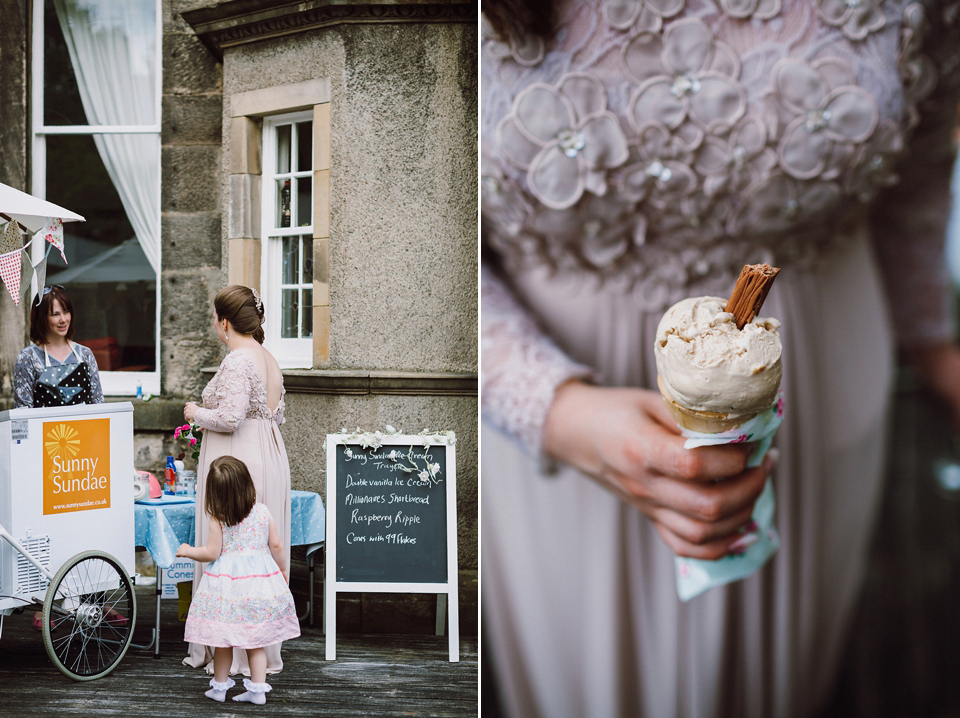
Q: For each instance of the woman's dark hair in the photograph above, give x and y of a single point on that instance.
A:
(44, 308)
(516, 18)
(230, 491)
(238, 305)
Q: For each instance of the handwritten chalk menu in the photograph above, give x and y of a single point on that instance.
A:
(391, 522)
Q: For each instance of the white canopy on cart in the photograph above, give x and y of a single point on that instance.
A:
(31, 212)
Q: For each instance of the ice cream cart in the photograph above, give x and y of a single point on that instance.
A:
(67, 520)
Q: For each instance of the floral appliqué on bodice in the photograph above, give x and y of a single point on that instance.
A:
(237, 392)
(657, 146)
(663, 144)
(251, 534)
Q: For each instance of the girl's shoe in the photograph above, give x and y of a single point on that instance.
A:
(255, 693)
(218, 691)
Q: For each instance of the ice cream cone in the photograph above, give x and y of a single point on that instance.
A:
(705, 422)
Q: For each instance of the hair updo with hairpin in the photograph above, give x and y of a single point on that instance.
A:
(241, 307)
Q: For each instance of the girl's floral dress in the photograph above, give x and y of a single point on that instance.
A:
(243, 600)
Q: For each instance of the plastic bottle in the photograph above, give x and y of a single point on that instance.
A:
(170, 477)
(139, 391)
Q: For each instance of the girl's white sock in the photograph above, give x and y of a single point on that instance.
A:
(255, 693)
(218, 691)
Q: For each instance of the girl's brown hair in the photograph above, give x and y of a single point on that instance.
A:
(44, 308)
(230, 492)
(240, 307)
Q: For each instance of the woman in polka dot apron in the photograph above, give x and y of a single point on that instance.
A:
(51, 334)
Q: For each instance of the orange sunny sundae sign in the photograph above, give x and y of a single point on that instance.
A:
(76, 465)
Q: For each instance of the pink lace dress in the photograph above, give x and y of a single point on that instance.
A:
(243, 600)
(238, 422)
(644, 154)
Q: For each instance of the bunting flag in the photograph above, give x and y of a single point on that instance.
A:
(10, 267)
(53, 232)
(26, 272)
(12, 239)
(40, 273)
(32, 272)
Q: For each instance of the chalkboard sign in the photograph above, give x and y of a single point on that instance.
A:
(391, 521)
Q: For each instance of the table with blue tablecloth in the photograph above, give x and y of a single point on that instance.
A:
(161, 525)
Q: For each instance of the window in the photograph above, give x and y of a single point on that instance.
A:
(287, 215)
(96, 151)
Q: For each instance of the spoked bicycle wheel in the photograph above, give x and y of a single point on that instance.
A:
(92, 606)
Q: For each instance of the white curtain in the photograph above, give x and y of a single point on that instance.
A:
(112, 45)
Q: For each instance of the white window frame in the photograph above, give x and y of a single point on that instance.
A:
(114, 383)
(290, 353)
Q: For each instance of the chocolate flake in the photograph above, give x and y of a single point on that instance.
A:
(750, 291)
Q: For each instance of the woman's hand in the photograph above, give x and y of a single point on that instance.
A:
(628, 442)
(190, 411)
(184, 551)
(939, 367)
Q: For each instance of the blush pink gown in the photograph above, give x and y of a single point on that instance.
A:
(238, 422)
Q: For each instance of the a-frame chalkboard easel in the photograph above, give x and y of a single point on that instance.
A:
(391, 522)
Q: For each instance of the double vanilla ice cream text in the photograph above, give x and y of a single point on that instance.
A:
(707, 364)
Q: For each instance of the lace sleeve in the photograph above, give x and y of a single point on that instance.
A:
(910, 220)
(232, 396)
(522, 366)
(96, 388)
(25, 374)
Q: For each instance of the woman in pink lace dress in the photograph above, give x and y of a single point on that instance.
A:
(241, 416)
(637, 152)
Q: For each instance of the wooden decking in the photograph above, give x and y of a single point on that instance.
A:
(374, 675)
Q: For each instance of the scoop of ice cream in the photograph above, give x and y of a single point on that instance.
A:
(707, 364)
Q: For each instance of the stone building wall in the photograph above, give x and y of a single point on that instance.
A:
(14, 49)
(403, 252)
(398, 264)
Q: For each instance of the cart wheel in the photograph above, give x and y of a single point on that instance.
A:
(93, 608)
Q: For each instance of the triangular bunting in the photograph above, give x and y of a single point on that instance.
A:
(40, 272)
(10, 273)
(12, 239)
(53, 232)
(31, 272)
(26, 272)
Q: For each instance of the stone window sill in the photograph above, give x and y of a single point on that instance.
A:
(164, 414)
(357, 382)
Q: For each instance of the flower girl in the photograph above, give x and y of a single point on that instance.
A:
(243, 600)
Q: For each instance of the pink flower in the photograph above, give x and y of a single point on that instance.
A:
(564, 138)
(857, 19)
(185, 427)
(193, 442)
(176, 433)
(686, 73)
(824, 112)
